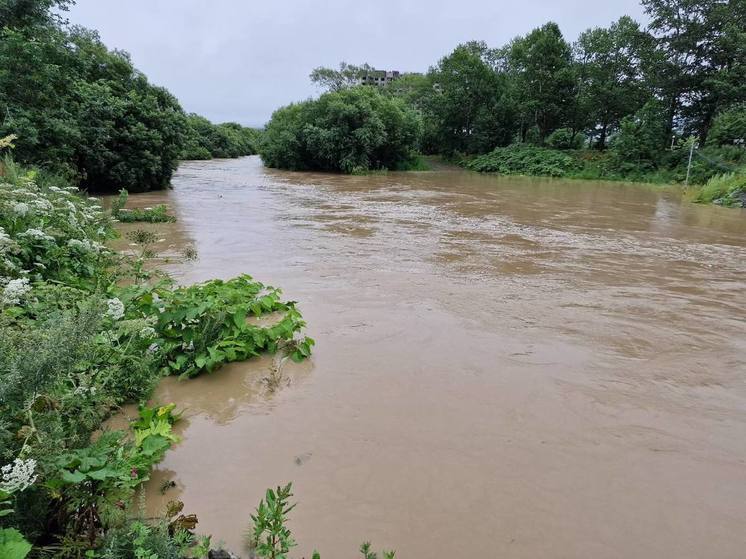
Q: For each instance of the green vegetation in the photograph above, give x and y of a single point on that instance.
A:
(726, 190)
(622, 102)
(85, 112)
(353, 130)
(270, 538)
(525, 160)
(205, 140)
(84, 330)
(157, 214)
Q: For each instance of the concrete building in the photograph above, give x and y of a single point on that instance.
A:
(380, 77)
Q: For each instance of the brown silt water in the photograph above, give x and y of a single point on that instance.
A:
(505, 367)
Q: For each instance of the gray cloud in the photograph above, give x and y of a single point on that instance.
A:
(241, 59)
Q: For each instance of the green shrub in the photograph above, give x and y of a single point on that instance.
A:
(524, 160)
(564, 138)
(727, 189)
(353, 130)
(86, 112)
(75, 345)
(203, 326)
(729, 127)
(50, 233)
(641, 139)
(157, 214)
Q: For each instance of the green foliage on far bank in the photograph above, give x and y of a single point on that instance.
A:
(626, 91)
(668, 166)
(350, 131)
(205, 140)
(524, 160)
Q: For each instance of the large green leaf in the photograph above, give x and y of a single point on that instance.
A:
(12, 544)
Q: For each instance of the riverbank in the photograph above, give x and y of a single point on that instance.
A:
(85, 330)
(706, 185)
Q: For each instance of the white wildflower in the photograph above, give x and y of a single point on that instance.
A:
(17, 476)
(36, 234)
(77, 244)
(42, 205)
(15, 291)
(115, 308)
(4, 238)
(147, 333)
(20, 209)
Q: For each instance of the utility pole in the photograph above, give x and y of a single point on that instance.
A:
(689, 167)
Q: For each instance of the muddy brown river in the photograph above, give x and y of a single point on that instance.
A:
(505, 367)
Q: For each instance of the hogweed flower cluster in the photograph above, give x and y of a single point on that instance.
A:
(15, 291)
(17, 476)
(115, 308)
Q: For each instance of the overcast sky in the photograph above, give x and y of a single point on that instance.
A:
(241, 59)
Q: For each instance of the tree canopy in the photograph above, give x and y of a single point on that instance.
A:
(351, 130)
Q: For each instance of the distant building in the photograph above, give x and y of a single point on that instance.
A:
(380, 77)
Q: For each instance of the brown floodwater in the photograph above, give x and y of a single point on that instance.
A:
(505, 367)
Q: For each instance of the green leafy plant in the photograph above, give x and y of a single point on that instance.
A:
(95, 480)
(270, 538)
(203, 326)
(12, 544)
(157, 214)
(524, 160)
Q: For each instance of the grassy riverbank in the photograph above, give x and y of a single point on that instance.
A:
(707, 187)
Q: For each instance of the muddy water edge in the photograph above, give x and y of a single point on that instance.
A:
(505, 367)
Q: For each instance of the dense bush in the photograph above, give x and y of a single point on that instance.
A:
(82, 110)
(353, 130)
(729, 127)
(638, 144)
(728, 189)
(564, 138)
(524, 160)
(157, 214)
(205, 140)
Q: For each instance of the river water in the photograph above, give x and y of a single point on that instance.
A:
(505, 367)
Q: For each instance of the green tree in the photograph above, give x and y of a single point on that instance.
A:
(702, 51)
(26, 13)
(611, 66)
(348, 75)
(84, 111)
(545, 86)
(351, 130)
(470, 107)
(729, 127)
(637, 146)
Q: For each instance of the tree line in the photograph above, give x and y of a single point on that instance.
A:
(629, 92)
(86, 113)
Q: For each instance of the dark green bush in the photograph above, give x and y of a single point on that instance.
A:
(353, 130)
(729, 127)
(564, 138)
(84, 111)
(524, 160)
